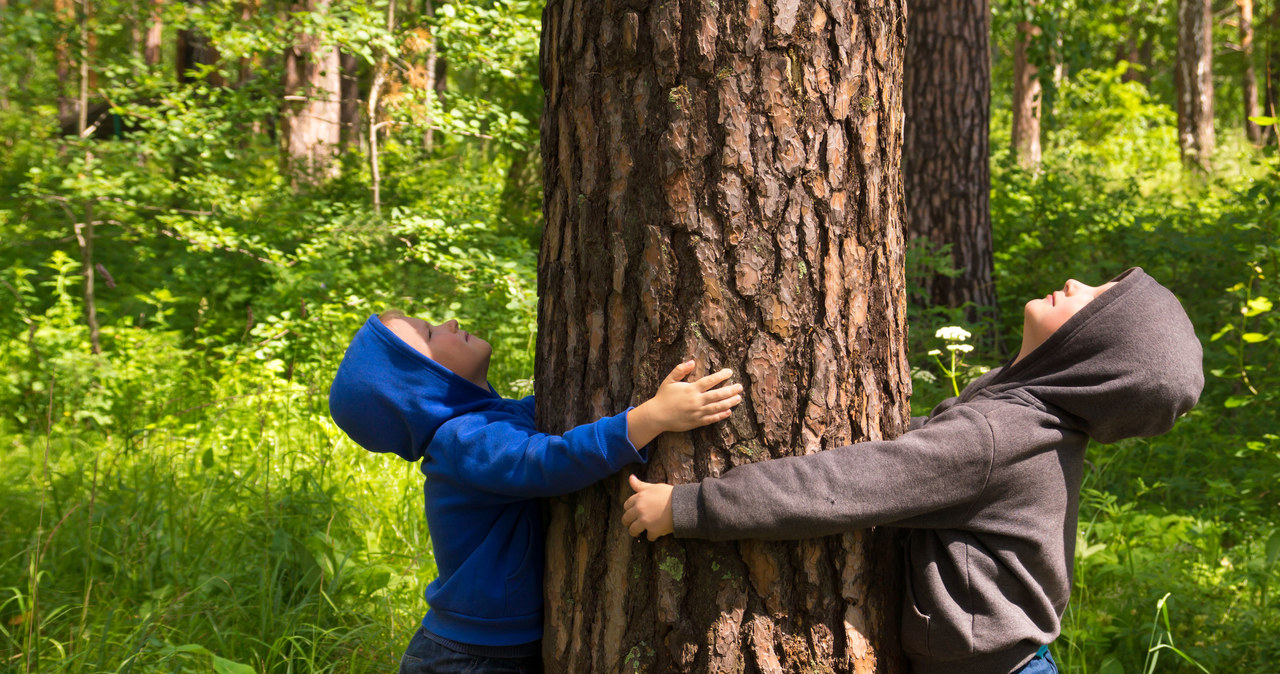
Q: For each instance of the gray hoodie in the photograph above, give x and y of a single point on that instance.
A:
(987, 485)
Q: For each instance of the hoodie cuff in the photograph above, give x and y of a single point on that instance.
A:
(642, 452)
(618, 442)
(687, 517)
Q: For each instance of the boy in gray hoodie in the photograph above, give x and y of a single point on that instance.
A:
(987, 486)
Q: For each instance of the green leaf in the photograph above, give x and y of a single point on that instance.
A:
(1089, 550)
(1257, 305)
(1110, 665)
(225, 666)
(1262, 120)
(1218, 335)
(1273, 548)
(207, 458)
(1237, 401)
(1253, 337)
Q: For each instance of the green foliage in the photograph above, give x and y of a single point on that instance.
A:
(181, 500)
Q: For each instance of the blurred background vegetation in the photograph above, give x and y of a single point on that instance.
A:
(178, 281)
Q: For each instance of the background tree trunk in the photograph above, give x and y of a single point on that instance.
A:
(1026, 99)
(945, 164)
(721, 181)
(311, 123)
(1194, 83)
(153, 40)
(195, 49)
(84, 231)
(350, 68)
(1250, 84)
(1128, 52)
(1272, 63)
(68, 114)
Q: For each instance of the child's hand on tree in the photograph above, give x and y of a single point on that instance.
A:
(682, 405)
(649, 509)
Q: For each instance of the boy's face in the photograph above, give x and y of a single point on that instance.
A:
(462, 353)
(1042, 317)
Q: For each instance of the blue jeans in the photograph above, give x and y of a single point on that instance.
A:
(1041, 664)
(425, 656)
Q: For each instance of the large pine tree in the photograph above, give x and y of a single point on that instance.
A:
(722, 182)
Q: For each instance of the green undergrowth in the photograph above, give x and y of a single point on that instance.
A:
(245, 532)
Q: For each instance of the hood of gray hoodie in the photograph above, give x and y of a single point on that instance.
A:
(1126, 365)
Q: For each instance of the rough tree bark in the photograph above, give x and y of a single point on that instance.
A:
(1194, 83)
(1027, 92)
(1249, 85)
(311, 121)
(945, 170)
(721, 181)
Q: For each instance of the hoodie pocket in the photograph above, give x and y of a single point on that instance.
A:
(524, 585)
(915, 628)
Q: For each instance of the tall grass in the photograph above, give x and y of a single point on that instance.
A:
(248, 534)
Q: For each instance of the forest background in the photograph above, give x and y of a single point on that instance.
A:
(182, 263)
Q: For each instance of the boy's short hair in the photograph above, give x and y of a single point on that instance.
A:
(390, 315)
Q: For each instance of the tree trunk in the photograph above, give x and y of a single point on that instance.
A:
(151, 41)
(1269, 93)
(1128, 52)
(311, 122)
(721, 182)
(68, 114)
(350, 101)
(195, 49)
(945, 169)
(1026, 99)
(1250, 84)
(375, 90)
(1146, 57)
(1194, 83)
(430, 59)
(84, 231)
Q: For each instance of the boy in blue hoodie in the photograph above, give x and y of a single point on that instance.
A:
(419, 390)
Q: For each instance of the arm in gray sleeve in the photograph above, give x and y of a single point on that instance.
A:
(939, 469)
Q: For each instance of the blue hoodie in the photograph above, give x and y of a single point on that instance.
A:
(485, 465)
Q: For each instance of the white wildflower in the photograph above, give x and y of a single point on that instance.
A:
(923, 375)
(934, 352)
(962, 348)
(952, 333)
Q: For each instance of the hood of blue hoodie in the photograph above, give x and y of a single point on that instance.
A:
(1128, 364)
(389, 397)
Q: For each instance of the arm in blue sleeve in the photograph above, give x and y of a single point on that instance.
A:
(510, 458)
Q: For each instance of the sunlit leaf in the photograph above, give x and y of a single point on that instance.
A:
(1237, 401)
(1257, 305)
